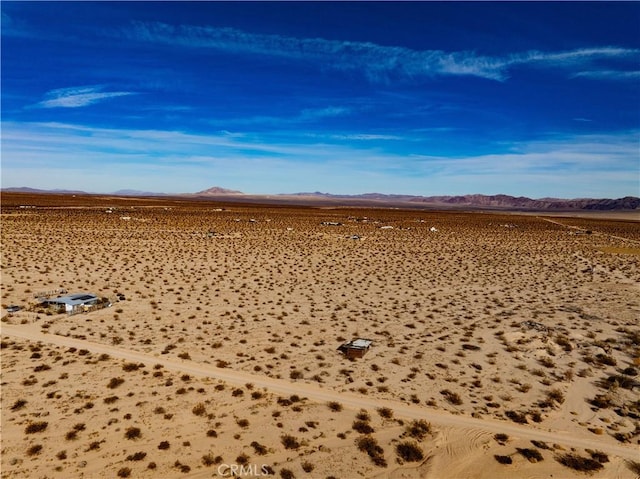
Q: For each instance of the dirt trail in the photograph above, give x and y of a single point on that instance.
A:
(317, 393)
(595, 233)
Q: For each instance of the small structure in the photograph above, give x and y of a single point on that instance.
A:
(13, 309)
(73, 303)
(356, 348)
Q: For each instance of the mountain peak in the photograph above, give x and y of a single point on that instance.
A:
(216, 191)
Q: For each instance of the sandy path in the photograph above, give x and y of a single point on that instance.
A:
(316, 393)
(595, 233)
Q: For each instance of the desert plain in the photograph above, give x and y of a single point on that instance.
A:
(504, 345)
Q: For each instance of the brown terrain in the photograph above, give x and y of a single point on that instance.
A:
(504, 345)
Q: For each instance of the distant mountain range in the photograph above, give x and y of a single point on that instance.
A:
(505, 202)
(217, 191)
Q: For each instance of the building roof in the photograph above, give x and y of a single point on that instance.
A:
(73, 299)
(359, 343)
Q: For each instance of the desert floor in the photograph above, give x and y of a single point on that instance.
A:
(504, 345)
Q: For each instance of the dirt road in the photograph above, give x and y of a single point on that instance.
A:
(317, 393)
(596, 233)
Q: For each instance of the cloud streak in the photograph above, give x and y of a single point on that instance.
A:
(377, 62)
(77, 97)
(603, 165)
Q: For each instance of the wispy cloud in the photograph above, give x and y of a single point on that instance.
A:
(609, 75)
(603, 165)
(376, 62)
(306, 115)
(77, 97)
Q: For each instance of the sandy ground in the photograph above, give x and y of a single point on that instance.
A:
(225, 341)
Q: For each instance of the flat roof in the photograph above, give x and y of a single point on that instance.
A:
(359, 343)
(73, 299)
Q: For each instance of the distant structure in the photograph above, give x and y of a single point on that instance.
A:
(73, 303)
(356, 348)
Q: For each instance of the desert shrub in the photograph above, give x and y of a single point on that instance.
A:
(212, 433)
(19, 404)
(362, 427)
(618, 380)
(115, 382)
(564, 342)
(164, 445)
(540, 444)
(363, 415)
(259, 448)
(295, 374)
(34, 450)
(599, 456)
(409, 451)
(124, 472)
(579, 463)
(242, 459)
(128, 367)
(335, 406)
(418, 429)
(556, 395)
(518, 417)
(184, 468)
(132, 433)
(535, 416)
(243, 423)
(256, 395)
(385, 412)
(289, 442)
(602, 401)
(532, 455)
(501, 438)
(451, 397)
(110, 399)
(547, 362)
(369, 445)
(470, 347)
(606, 360)
(138, 456)
(62, 455)
(199, 409)
(34, 427)
(237, 392)
(307, 466)
(503, 459)
(287, 474)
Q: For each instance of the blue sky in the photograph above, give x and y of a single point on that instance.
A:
(536, 99)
